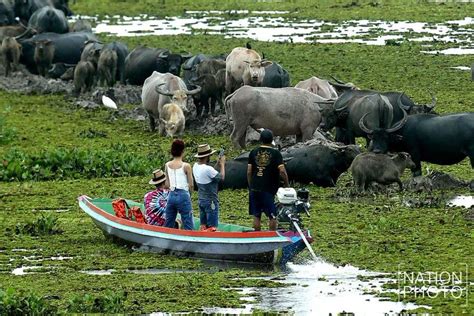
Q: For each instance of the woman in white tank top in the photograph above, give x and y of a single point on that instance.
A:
(179, 178)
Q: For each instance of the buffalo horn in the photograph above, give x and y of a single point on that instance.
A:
(167, 93)
(194, 91)
(341, 109)
(400, 123)
(186, 55)
(164, 54)
(338, 81)
(400, 103)
(362, 124)
(433, 100)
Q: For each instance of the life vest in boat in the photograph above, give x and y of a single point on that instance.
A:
(120, 208)
(137, 214)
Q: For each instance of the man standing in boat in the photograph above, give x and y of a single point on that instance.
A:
(265, 167)
(207, 180)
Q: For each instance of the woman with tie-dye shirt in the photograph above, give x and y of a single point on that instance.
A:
(155, 201)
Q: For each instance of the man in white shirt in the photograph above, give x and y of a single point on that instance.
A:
(207, 180)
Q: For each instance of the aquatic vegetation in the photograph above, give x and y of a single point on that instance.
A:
(14, 303)
(45, 224)
(109, 302)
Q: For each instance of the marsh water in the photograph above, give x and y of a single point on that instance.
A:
(264, 26)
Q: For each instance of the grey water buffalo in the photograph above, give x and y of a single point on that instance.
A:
(121, 50)
(244, 66)
(10, 52)
(48, 19)
(370, 167)
(286, 111)
(68, 48)
(318, 86)
(107, 67)
(160, 89)
(442, 140)
(172, 117)
(81, 26)
(44, 54)
(7, 15)
(276, 77)
(384, 109)
(320, 163)
(142, 61)
(84, 77)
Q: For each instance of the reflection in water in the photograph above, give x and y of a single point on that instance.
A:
(466, 201)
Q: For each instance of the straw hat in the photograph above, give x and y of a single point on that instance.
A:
(158, 177)
(204, 151)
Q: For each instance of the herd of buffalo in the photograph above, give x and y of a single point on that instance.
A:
(253, 92)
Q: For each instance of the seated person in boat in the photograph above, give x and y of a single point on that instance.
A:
(207, 179)
(155, 201)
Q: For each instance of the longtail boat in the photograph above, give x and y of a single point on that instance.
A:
(230, 242)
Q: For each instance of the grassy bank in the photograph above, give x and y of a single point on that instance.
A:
(339, 10)
(377, 232)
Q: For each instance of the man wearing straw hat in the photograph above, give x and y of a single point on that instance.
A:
(207, 180)
(156, 200)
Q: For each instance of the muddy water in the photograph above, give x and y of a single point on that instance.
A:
(282, 29)
(466, 201)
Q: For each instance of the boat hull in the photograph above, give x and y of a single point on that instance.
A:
(254, 247)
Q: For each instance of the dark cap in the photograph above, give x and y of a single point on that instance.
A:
(266, 136)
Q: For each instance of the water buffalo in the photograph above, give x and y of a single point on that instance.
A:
(318, 86)
(244, 66)
(81, 26)
(442, 140)
(58, 69)
(209, 66)
(209, 94)
(92, 45)
(62, 5)
(12, 31)
(384, 108)
(286, 111)
(320, 163)
(7, 15)
(191, 64)
(107, 67)
(172, 117)
(142, 61)
(10, 52)
(370, 167)
(49, 19)
(276, 77)
(44, 54)
(68, 48)
(160, 89)
(24, 9)
(84, 77)
(121, 50)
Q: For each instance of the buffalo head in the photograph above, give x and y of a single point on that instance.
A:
(173, 62)
(381, 137)
(256, 71)
(417, 108)
(180, 97)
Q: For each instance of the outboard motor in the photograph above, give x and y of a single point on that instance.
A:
(290, 205)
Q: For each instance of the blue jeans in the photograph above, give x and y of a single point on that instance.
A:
(179, 201)
(207, 215)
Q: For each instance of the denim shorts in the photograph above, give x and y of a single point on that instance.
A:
(209, 213)
(262, 202)
(179, 201)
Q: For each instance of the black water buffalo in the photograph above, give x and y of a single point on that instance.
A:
(7, 15)
(276, 77)
(24, 9)
(48, 19)
(384, 109)
(320, 163)
(62, 5)
(142, 61)
(68, 48)
(190, 66)
(58, 69)
(442, 140)
(122, 52)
